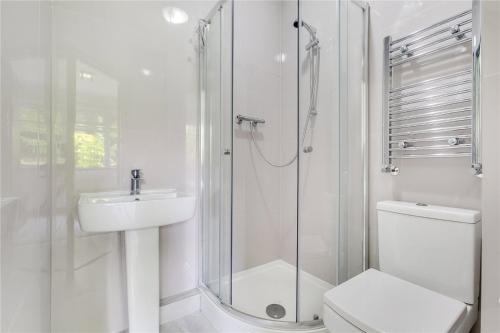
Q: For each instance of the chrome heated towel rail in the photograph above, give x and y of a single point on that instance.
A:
(430, 102)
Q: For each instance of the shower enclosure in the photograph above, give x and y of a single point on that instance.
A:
(283, 123)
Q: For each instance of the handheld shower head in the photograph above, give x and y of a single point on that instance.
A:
(314, 41)
(309, 28)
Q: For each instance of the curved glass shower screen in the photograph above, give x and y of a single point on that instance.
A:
(281, 82)
(215, 152)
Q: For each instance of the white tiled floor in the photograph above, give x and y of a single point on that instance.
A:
(193, 323)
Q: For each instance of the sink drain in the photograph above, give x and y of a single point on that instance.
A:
(275, 311)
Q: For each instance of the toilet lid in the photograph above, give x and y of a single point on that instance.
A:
(378, 302)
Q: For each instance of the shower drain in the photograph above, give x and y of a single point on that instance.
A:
(275, 311)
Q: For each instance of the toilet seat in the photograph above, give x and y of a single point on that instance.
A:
(374, 301)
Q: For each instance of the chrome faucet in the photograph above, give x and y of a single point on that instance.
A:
(135, 182)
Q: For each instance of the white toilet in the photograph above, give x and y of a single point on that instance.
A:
(428, 281)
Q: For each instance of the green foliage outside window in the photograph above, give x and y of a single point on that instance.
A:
(90, 150)
(31, 130)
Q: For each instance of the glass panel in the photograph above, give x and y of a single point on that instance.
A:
(216, 158)
(300, 163)
(25, 167)
(331, 170)
(210, 141)
(264, 161)
(226, 16)
(353, 21)
(319, 163)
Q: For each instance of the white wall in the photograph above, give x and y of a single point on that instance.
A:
(440, 182)
(490, 276)
(149, 122)
(25, 166)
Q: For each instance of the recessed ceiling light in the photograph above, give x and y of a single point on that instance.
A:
(174, 15)
(145, 72)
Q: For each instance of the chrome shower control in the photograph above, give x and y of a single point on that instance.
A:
(252, 120)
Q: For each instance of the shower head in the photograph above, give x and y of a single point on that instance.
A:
(314, 41)
(309, 28)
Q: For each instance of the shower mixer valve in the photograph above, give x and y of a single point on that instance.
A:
(252, 120)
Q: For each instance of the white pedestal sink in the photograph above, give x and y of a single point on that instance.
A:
(140, 216)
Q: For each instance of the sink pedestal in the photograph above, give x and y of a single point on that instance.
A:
(143, 279)
(140, 217)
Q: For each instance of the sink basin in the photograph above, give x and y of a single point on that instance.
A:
(140, 217)
(120, 211)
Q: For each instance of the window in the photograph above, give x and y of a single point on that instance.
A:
(96, 123)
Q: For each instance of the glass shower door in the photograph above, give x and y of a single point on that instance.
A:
(282, 194)
(215, 117)
(264, 219)
(331, 175)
